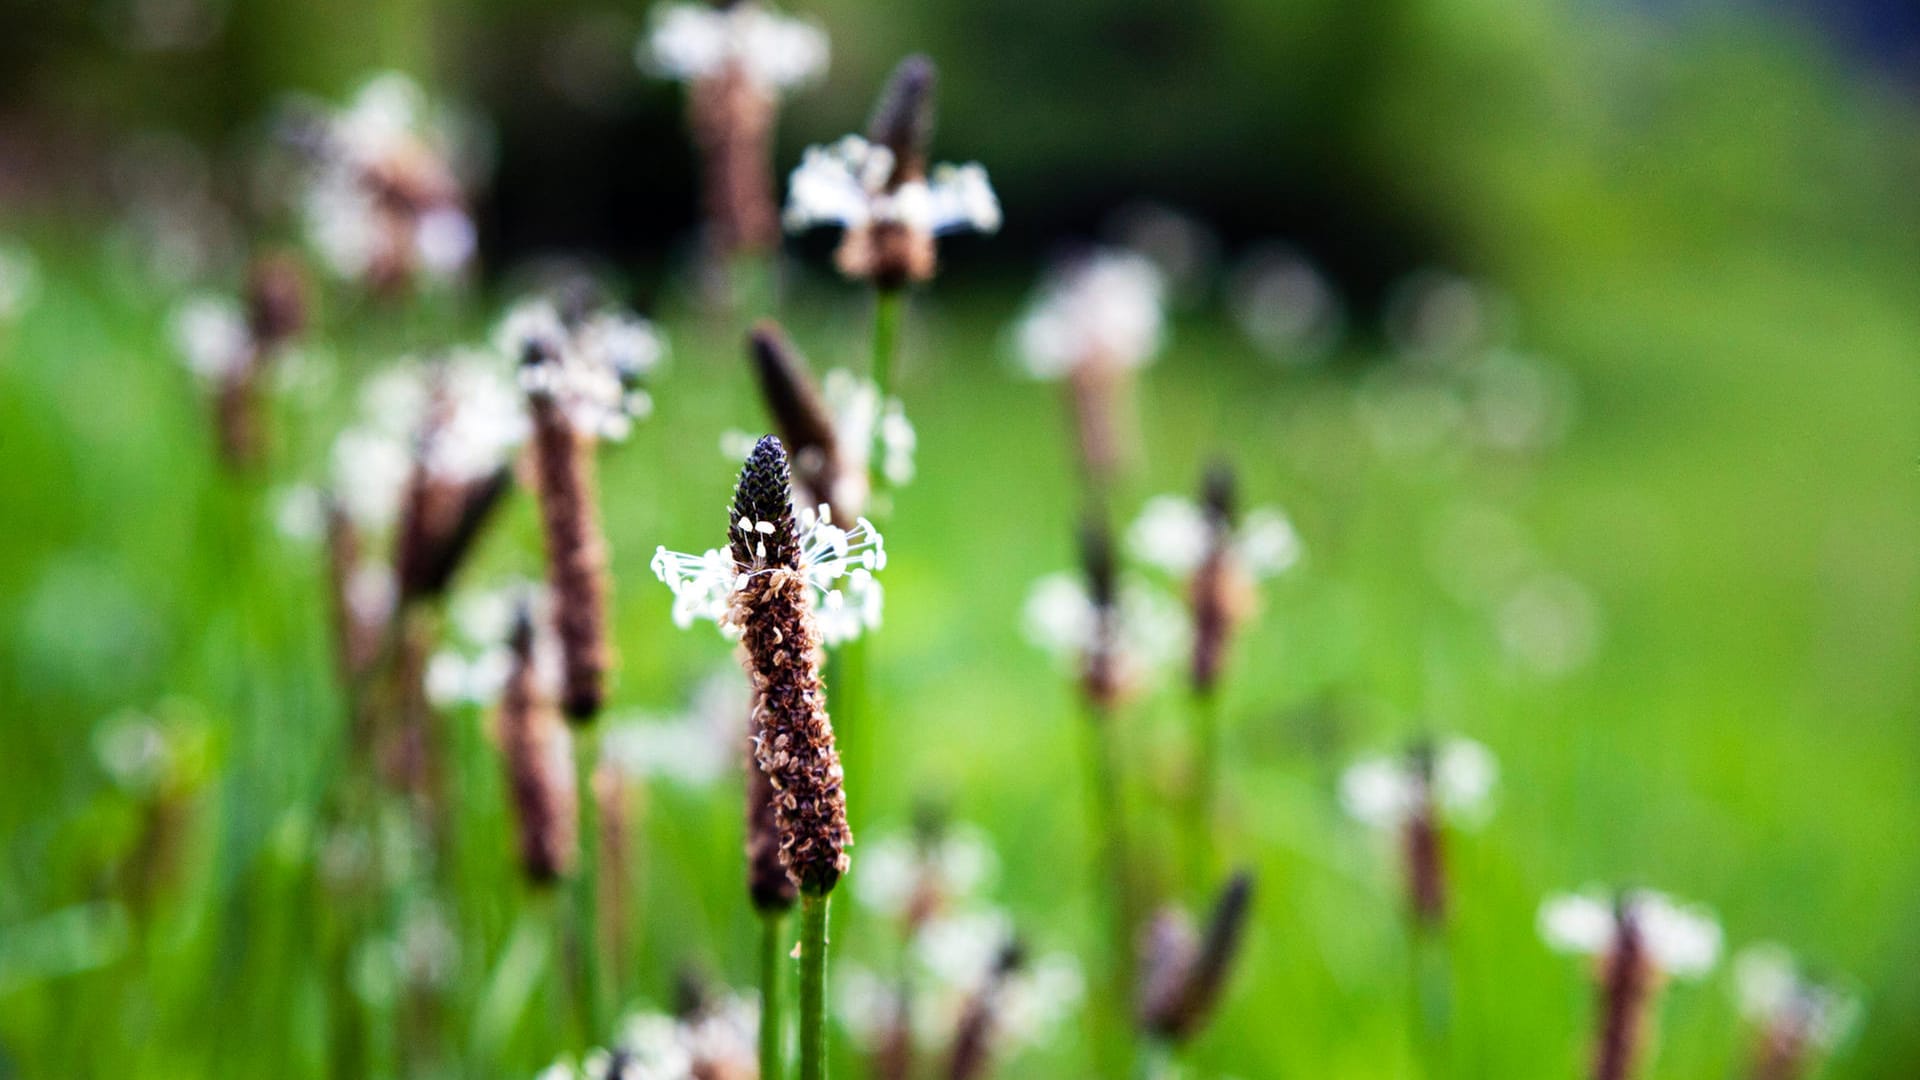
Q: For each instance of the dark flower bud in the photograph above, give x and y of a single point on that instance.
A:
(903, 118)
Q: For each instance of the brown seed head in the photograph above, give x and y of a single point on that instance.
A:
(440, 520)
(806, 425)
(539, 771)
(903, 118)
(1627, 977)
(1218, 497)
(1101, 675)
(1217, 584)
(773, 610)
(972, 1054)
(576, 551)
(732, 121)
(890, 254)
(1421, 838)
(1183, 976)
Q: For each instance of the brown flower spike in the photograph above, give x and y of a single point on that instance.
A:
(972, 1054)
(440, 519)
(774, 612)
(893, 254)
(1626, 991)
(1220, 591)
(820, 472)
(276, 313)
(732, 122)
(576, 552)
(1421, 839)
(1183, 974)
(539, 765)
(1101, 678)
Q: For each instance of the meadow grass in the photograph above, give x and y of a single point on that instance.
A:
(1736, 493)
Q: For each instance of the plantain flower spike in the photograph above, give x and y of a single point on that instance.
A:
(773, 607)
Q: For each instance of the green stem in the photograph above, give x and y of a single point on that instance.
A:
(1432, 1004)
(813, 986)
(1155, 1061)
(886, 338)
(1205, 787)
(771, 1003)
(587, 890)
(1112, 880)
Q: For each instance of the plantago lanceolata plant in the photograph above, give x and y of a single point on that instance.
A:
(539, 759)
(889, 203)
(1797, 1019)
(971, 1056)
(582, 378)
(1220, 556)
(1095, 320)
(773, 608)
(1184, 971)
(882, 192)
(1413, 795)
(1638, 938)
(384, 204)
(234, 350)
(737, 58)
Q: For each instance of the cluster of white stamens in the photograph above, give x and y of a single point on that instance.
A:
(838, 564)
(697, 41)
(1385, 792)
(592, 367)
(847, 184)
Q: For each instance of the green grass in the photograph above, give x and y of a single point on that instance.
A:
(1736, 493)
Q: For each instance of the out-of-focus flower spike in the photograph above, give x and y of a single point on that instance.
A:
(903, 118)
(1184, 975)
(539, 762)
(1638, 938)
(1219, 591)
(231, 347)
(1797, 1018)
(882, 191)
(971, 1055)
(820, 469)
(383, 203)
(1414, 795)
(1101, 678)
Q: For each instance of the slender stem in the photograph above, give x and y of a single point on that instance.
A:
(1431, 999)
(587, 890)
(1112, 881)
(813, 986)
(886, 338)
(771, 1003)
(1205, 787)
(1155, 1061)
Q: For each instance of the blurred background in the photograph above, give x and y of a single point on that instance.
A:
(1377, 138)
(1661, 553)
